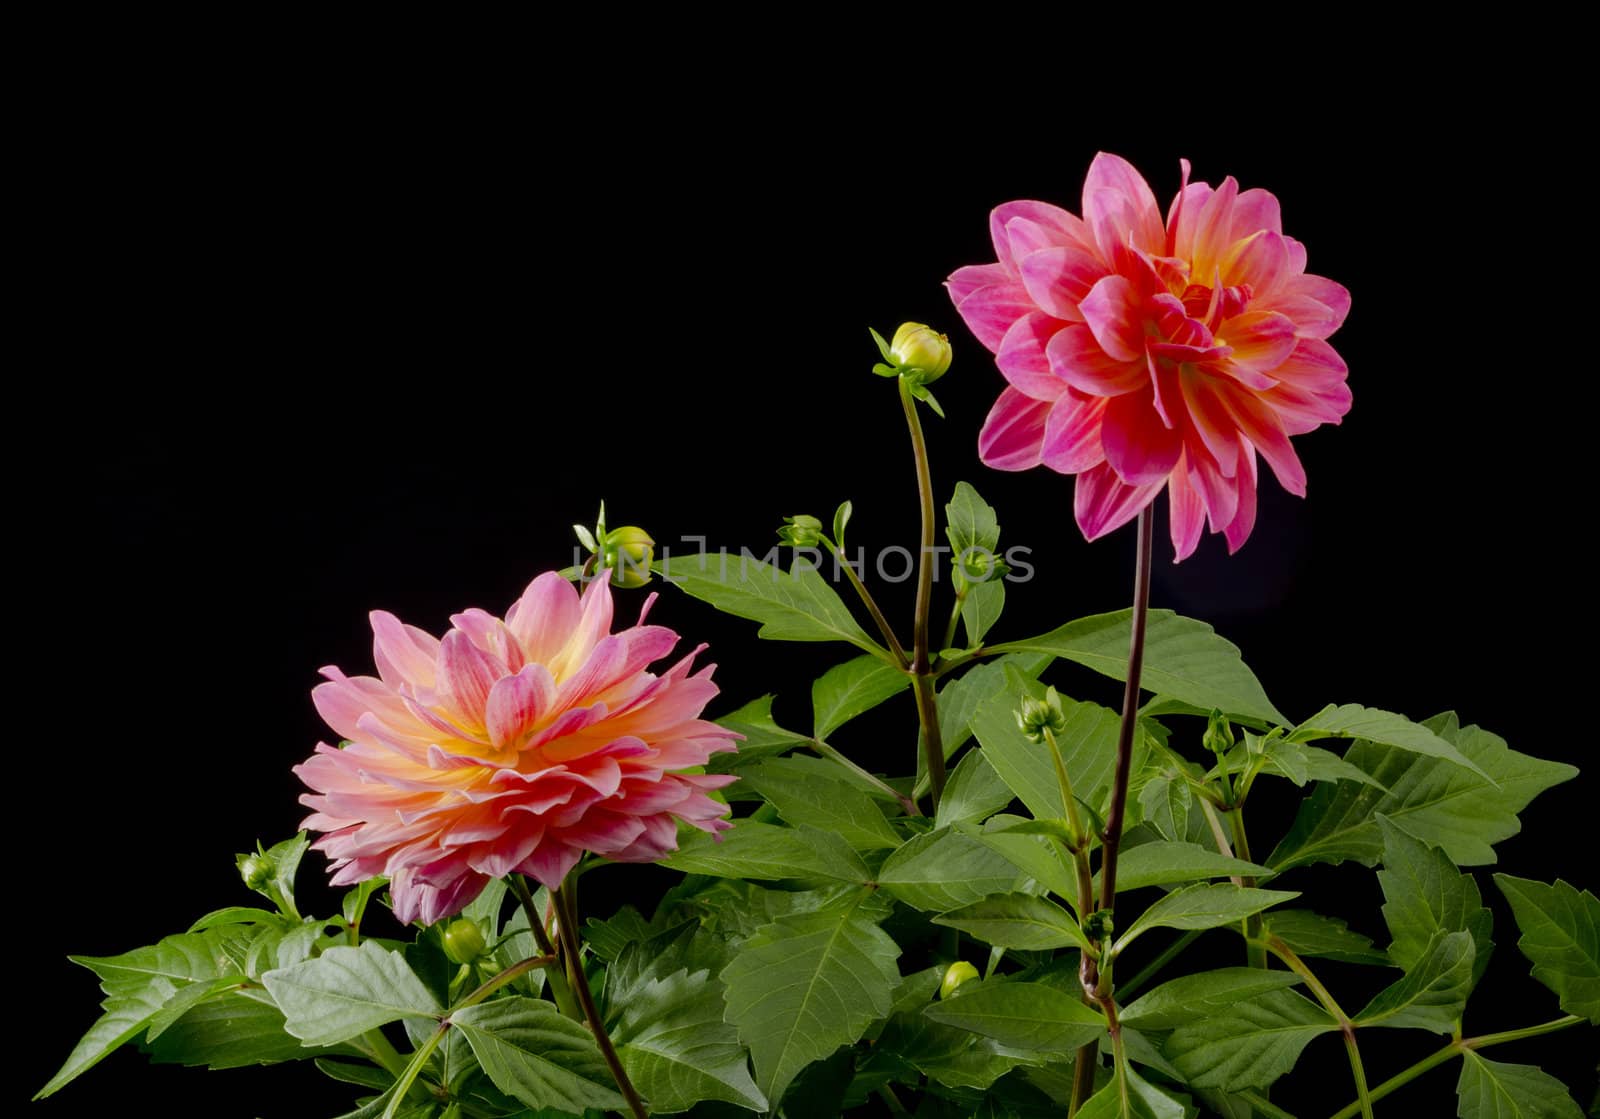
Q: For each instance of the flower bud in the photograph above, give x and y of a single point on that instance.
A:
(256, 870)
(627, 551)
(955, 975)
(463, 941)
(1099, 925)
(801, 532)
(916, 346)
(1036, 715)
(1219, 735)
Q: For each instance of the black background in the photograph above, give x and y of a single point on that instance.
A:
(312, 353)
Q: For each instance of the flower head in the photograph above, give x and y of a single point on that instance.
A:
(1145, 354)
(511, 745)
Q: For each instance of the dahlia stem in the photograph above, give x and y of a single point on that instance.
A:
(1130, 710)
(1347, 1027)
(556, 977)
(921, 666)
(567, 926)
(380, 1050)
(1255, 952)
(896, 650)
(832, 754)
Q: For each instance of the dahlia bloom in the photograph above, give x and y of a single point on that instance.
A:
(511, 745)
(1144, 354)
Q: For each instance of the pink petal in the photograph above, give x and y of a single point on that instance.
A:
(1334, 296)
(403, 654)
(1218, 492)
(550, 863)
(1111, 175)
(1186, 514)
(517, 703)
(990, 311)
(1059, 278)
(1021, 357)
(1261, 341)
(1113, 316)
(467, 673)
(1185, 217)
(964, 281)
(1258, 423)
(1076, 358)
(1102, 502)
(1072, 434)
(1312, 364)
(544, 617)
(1211, 419)
(1311, 319)
(1244, 519)
(1013, 431)
(1138, 446)
(1255, 210)
(1067, 228)
(1302, 410)
(1212, 228)
(1260, 260)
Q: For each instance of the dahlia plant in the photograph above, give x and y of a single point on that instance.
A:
(1025, 916)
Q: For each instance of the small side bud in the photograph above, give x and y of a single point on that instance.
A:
(1219, 734)
(920, 350)
(1037, 715)
(256, 870)
(803, 531)
(463, 941)
(955, 975)
(1099, 926)
(627, 551)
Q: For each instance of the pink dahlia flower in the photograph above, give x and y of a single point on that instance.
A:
(511, 745)
(1145, 354)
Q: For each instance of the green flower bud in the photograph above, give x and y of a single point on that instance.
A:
(955, 975)
(918, 347)
(1098, 926)
(463, 941)
(627, 552)
(1037, 714)
(1219, 734)
(801, 532)
(256, 870)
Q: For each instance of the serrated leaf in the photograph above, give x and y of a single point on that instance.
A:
(1183, 658)
(1425, 894)
(804, 798)
(536, 1056)
(125, 1017)
(236, 915)
(1301, 763)
(805, 985)
(846, 690)
(1143, 1100)
(766, 851)
(1204, 906)
(762, 736)
(1561, 935)
(797, 605)
(1495, 1090)
(970, 522)
(1163, 862)
(1017, 921)
(1032, 1016)
(945, 869)
(947, 1055)
(181, 959)
(1250, 1044)
(973, 793)
(232, 1030)
(1431, 995)
(1191, 997)
(1370, 724)
(1087, 742)
(346, 991)
(677, 1049)
(1034, 853)
(1311, 934)
(1440, 803)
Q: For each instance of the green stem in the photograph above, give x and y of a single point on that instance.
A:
(1504, 1036)
(921, 667)
(493, 984)
(833, 755)
(559, 989)
(892, 1101)
(895, 649)
(378, 1048)
(408, 1077)
(1084, 1066)
(955, 616)
(1170, 953)
(1255, 951)
(1130, 711)
(1069, 802)
(1266, 1107)
(1358, 1071)
(567, 927)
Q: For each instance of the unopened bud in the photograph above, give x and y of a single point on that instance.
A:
(463, 941)
(801, 532)
(1219, 735)
(627, 551)
(1099, 926)
(1037, 715)
(256, 870)
(921, 349)
(955, 975)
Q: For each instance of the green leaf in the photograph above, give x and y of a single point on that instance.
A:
(1370, 724)
(232, 1031)
(1032, 1016)
(1191, 997)
(677, 1049)
(1561, 935)
(1165, 802)
(803, 797)
(973, 793)
(1017, 921)
(947, 1055)
(236, 915)
(1144, 1101)
(1183, 658)
(763, 738)
(848, 689)
(1301, 763)
(1431, 995)
(1251, 1043)
(1087, 742)
(1495, 1090)
(961, 700)
(1311, 934)
(1203, 906)
(883, 347)
(1425, 894)
(841, 518)
(1162, 862)
(126, 1016)
(970, 522)
(755, 850)
(1438, 802)
(797, 605)
(346, 991)
(945, 869)
(805, 985)
(536, 1056)
(1034, 853)
(981, 608)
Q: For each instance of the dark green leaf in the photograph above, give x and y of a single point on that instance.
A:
(1431, 995)
(1425, 894)
(677, 1049)
(1369, 724)
(1203, 906)
(126, 1016)
(1165, 802)
(232, 1031)
(1561, 935)
(1311, 934)
(1301, 763)
(961, 700)
(1494, 1090)
(535, 1055)
(1250, 1044)
(1437, 801)
(848, 689)
(762, 737)
(973, 793)
(797, 605)
(1163, 862)
(970, 522)
(1035, 853)
(1183, 658)
(1193, 997)
(1143, 1101)
(346, 991)
(945, 869)
(801, 796)
(947, 1055)
(1032, 1016)
(1017, 921)
(981, 607)
(754, 850)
